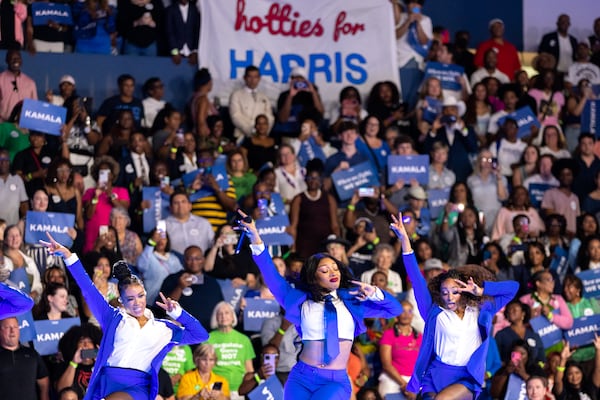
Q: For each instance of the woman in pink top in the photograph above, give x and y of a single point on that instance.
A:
(518, 203)
(398, 349)
(98, 202)
(543, 302)
(548, 98)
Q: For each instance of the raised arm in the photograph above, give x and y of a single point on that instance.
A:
(13, 302)
(422, 295)
(94, 299)
(192, 331)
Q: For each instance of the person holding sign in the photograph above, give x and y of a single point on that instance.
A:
(458, 316)
(543, 302)
(134, 343)
(327, 312)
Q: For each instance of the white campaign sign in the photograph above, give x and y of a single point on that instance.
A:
(339, 43)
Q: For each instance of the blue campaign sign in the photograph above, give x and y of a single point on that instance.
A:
(559, 261)
(536, 193)
(310, 149)
(19, 279)
(407, 168)
(590, 117)
(448, 74)
(431, 109)
(550, 333)
(395, 396)
(42, 12)
(591, 282)
(437, 198)
(272, 230)
(525, 120)
(348, 180)
(583, 330)
(43, 117)
(276, 204)
(48, 333)
(257, 311)
(232, 295)
(270, 389)
(218, 171)
(37, 223)
(159, 207)
(515, 389)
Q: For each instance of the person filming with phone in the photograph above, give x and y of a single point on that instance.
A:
(270, 358)
(202, 383)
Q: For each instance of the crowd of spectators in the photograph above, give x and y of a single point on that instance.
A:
(522, 204)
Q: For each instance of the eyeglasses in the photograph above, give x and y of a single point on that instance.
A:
(194, 258)
(15, 87)
(487, 160)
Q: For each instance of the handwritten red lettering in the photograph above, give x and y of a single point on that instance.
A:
(345, 28)
(279, 20)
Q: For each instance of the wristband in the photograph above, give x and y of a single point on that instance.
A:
(560, 369)
(376, 241)
(175, 52)
(73, 364)
(95, 200)
(257, 378)
(281, 331)
(549, 316)
(173, 150)
(29, 176)
(351, 207)
(151, 242)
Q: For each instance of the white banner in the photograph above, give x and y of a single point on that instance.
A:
(339, 43)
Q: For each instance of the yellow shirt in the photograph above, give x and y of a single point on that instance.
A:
(191, 383)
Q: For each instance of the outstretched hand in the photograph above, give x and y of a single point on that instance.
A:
(469, 287)
(363, 291)
(246, 223)
(397, 226)
(55, 248)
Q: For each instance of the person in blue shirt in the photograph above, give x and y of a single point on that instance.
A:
(133, 343)
(324, 283)
(458, 309)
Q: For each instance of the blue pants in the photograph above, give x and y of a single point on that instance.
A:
(131, 381)
(133, 50)
(307, 382)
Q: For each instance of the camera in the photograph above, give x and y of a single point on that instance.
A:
(448, 119)
(300, 85)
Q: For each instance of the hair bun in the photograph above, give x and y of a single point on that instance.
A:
(121, 271)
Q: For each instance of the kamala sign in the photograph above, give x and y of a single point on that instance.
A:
(339, 43)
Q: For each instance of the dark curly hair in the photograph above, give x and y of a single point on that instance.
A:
(524, 307)
(67, 345)
(308, 280)
(479, 275)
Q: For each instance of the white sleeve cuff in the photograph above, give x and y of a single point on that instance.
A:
(71, 260)
(176, 313)
(377, 296)
(257, 248)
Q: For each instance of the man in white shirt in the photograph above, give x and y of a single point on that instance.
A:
(414, 32)
(583, 68)
(155, 91)
(186, 229)
(247, 103)
(490, 61)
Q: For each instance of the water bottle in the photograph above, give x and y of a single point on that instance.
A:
(263, 208)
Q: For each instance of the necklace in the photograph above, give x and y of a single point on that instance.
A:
(315, 197)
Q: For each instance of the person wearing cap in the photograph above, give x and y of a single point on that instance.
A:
(247, 103)
(450, 129)
(508, 56)
(299, 102)
(417, 199)
(336, 247)
(15, 86)
(414, 33)
(562, 200)
(66, 89)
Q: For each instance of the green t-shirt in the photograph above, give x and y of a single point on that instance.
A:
(233, 350)
(13, 139)
(243, 184)
(585, 307)
(178, 361)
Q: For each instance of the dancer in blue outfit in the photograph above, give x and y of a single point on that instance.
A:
(327, 307)
(13, 302)
(458, 315)
(133, 343)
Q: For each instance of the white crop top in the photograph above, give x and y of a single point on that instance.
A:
(313, 320)
(457, 339)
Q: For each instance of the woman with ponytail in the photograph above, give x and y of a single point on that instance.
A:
(134, 343)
